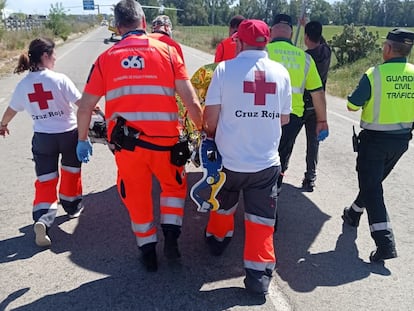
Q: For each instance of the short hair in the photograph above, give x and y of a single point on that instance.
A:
(236, 20)
(128, 14)
(313, 30)
(400, 48)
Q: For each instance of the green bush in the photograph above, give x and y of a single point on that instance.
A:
(353, 44)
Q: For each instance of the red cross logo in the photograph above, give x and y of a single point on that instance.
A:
(40, 96)
(259, 87)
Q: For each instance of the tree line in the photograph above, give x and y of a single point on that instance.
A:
(387, 13)
(382, 13)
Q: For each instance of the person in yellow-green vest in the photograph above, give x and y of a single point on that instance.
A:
(387, 121)
(303, 75)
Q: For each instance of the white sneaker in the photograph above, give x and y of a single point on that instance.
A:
(78, 211)
(42, 239)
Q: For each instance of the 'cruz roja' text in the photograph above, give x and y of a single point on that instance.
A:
(257, 114)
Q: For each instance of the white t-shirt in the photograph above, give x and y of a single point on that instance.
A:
(253, 92)
(49, 99)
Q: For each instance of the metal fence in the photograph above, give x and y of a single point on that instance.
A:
(27, 24)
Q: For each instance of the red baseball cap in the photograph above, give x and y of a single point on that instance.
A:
(253, 32)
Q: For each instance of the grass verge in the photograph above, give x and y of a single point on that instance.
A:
(341, 81)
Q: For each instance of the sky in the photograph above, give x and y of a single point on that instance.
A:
(42, 7)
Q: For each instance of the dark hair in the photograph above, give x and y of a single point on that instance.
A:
(236, 20)
(313, 30)
(128, 14)
(32, 59)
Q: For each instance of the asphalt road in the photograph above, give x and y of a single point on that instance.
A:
(93, 262)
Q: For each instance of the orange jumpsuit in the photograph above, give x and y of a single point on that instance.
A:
(137, 77)
(167, 39)
(225, 50)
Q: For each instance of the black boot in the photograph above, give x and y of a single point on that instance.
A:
(215, 246)
(351, 217)
(382, 253)
(149, 257)
(171, 234)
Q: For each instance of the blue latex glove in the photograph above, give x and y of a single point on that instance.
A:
(323, 134)
(84, 150)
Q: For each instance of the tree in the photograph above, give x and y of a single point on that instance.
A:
(320, 10)
(373, 13)
(57, 22)
(2, 6)
(393, 10)
(408, 13)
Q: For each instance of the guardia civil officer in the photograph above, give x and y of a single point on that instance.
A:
(386, 121)
(304, 76)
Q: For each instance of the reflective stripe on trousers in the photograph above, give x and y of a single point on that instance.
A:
(135, 179)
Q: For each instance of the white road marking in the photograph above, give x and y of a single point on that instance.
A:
(60, 56)
(355, 122)
(278, 299)
(343, 117)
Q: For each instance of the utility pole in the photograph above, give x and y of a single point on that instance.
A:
(302, 14)
(212, 12)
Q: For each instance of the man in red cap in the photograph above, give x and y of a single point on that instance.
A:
(248, 100)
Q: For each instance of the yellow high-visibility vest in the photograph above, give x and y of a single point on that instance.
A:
(302, 70)
(391, 105)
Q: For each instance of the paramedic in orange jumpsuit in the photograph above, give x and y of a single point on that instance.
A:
(162, 30)
(139, 77)
(226, 49)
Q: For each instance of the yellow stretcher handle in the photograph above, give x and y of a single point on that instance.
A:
(215, 188)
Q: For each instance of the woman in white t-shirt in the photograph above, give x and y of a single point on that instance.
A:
(49, 98)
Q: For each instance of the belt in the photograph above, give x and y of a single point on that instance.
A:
(148, 145)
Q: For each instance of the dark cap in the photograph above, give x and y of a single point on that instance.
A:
(236, 20)
(401, 35)
(253, 32)
(282, 19)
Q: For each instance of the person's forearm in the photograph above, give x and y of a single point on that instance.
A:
(86, 105)
(319, 102)
(84, 119)
(8, 116)
(196, 115)
(210, 119)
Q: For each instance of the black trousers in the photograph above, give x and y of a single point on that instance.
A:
(289, 133)
(377, 155)
(312, 144)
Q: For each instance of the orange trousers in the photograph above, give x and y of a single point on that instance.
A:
(135, 172)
